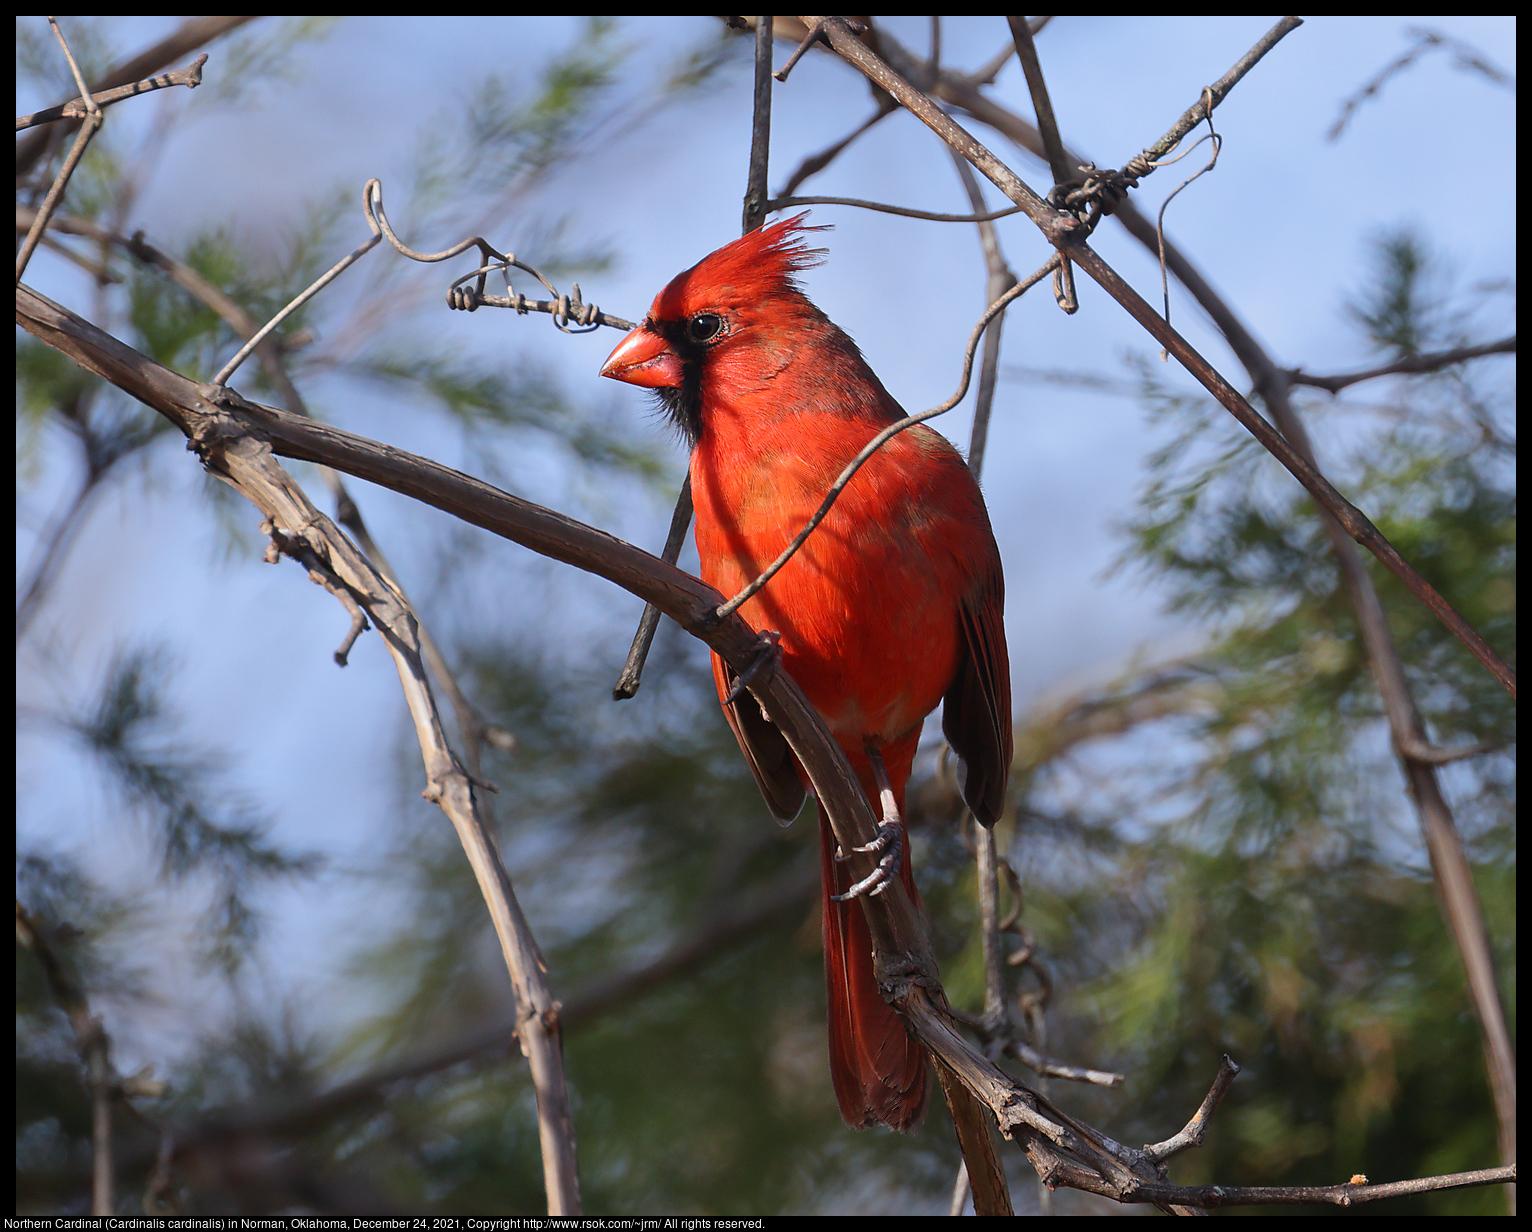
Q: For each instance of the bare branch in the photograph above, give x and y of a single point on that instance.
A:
(760, 130)
(88, 129)
(1352, 1193)
(1195, 114)
(1425, 40)
(1195, 1130)
(1433, 361)
(1432, 755)
(787, 203)
(1026, 52)
(1000, 280)
(629, 678)
(815, 163)
(190, 76)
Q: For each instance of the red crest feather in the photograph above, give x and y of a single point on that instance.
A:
(758, 264)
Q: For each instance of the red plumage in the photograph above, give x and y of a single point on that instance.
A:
(893, 605)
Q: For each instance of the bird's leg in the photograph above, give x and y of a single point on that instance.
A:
(890, 840)
(768, 653)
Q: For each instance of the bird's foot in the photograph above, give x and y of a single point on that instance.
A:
(768, 653)
(890, 840)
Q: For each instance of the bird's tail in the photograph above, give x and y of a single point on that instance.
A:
(879, 1072)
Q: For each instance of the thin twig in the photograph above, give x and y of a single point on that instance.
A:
(88, 129)
(1195, 1130)
(1350, 1193)
(1432, 361)
(904, 211)
(633, 669)
(86, 100)
(1026, 52)
(1434, 755)
(1047, 1068)
(324, 280)
(760, 131)
(1194, 114)
(1053, 145)
(51, 550)
(1000, 279)
(190, 77)
(815, 26)
(185, 39)
(815, 163)
(1425, 40)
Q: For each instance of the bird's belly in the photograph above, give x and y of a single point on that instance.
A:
(865, 608)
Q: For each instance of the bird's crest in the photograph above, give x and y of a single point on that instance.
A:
(760, 263)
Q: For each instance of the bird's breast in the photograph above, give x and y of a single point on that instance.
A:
(868, 606)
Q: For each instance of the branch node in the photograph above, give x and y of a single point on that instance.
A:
(815, 35)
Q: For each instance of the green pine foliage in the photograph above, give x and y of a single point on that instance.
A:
(1271, 897)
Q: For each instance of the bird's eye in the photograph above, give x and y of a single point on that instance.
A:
(704, 327)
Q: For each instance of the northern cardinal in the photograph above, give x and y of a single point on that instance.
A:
(893, 604)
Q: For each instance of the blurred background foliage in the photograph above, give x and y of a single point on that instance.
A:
(1217, 852)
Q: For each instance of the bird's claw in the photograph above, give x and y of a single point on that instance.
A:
(768, 653)
(890, 842)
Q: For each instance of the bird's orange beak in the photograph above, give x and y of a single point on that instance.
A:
(644, 358)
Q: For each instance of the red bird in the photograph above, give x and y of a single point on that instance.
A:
(893, 604)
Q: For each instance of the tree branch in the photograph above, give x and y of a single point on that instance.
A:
(75, 109)
(1432, 361)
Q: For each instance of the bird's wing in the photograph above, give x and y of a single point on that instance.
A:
(976, 712)
(764, 747)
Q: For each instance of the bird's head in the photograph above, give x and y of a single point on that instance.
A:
(725, 318)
